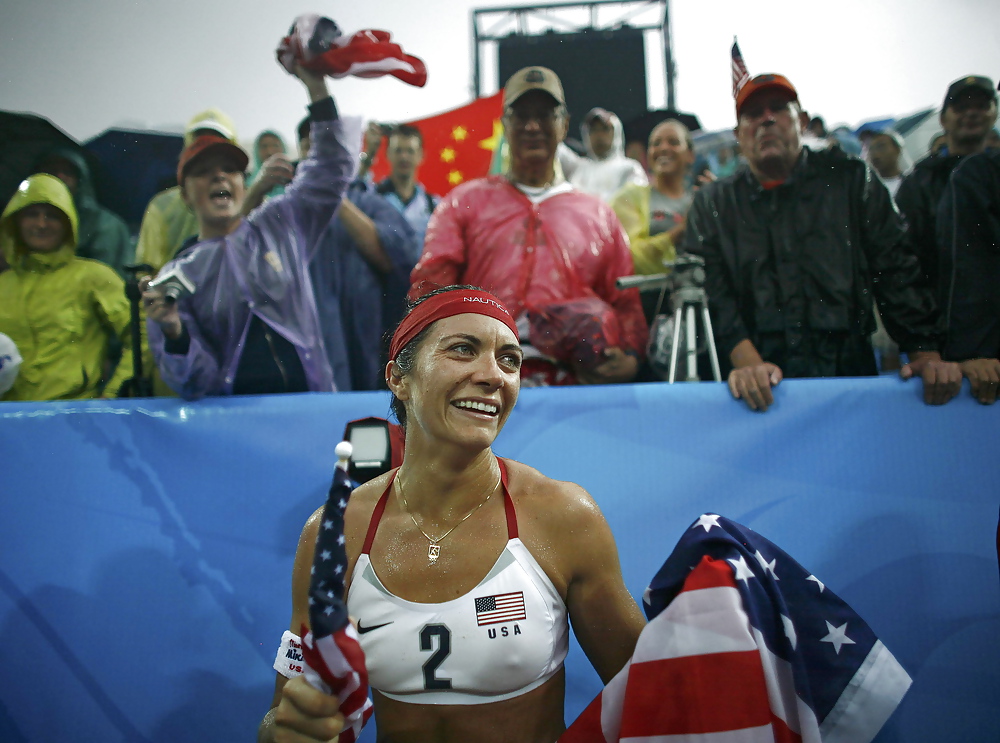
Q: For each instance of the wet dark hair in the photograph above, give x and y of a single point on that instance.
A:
(407, 355)
(688, 139)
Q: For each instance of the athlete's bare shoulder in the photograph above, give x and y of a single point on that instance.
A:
(543, 496)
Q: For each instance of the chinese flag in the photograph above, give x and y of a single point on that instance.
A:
(458, 145)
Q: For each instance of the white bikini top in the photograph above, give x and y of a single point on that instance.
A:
(505, 637)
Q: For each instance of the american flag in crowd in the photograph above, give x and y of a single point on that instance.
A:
(504, 607)
(319, 45)
(740, 74)
(744, 644)
(336, 663)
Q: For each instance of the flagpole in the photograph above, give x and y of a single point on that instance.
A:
(668, 59)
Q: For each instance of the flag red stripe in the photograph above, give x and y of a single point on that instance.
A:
(710, 573)
(587, 727)
(696, 694)
(782, 733)
(501, 618)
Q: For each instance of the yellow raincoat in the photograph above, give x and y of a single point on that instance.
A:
(59, 309)
(631, 204)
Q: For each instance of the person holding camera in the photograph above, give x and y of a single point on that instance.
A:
(59, 310)
(236, 313)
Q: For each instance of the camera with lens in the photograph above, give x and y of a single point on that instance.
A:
(174, 283)
(688, 271)
(671, 332)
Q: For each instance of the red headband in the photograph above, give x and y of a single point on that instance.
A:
(446, 304)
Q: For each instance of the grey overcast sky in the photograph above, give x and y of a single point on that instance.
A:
(89, 65)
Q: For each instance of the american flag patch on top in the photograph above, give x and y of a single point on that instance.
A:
(505, 607)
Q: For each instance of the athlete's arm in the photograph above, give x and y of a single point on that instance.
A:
(606, 619)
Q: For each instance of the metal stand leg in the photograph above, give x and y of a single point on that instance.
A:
(687, 302)
(691, 341)
(675, 346)
(713, 353)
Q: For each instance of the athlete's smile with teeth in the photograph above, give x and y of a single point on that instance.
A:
(482, 407)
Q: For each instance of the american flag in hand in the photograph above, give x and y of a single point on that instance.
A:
(744, 644)
(335, 661)
(740, 74)
(317, 43)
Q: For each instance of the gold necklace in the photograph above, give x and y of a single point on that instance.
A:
(434, 546)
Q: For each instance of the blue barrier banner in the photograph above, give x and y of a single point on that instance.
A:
(146, 546)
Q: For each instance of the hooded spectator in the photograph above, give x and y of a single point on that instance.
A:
(885, 153)
(606, 169)
(268, 143)
(59, 309)
(103, 235)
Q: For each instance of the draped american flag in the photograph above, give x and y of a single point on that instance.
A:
(744, 644)
(335, 661)
(740, 74)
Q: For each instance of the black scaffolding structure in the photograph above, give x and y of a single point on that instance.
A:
(569, 18)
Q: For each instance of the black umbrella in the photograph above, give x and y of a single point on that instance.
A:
(134, 167)
(24, 138)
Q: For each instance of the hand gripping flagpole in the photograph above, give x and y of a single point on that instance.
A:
(335, 663)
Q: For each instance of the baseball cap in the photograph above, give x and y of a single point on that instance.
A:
(202, 146)
(214, 120)
(533, 78)
(761, 82)
(973, 82)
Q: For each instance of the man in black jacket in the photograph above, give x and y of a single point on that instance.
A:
(795, 245)
(967, 117)
(968, 222)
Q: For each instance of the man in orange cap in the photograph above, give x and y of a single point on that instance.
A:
(795, 245)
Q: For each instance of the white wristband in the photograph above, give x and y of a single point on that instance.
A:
(288, 660)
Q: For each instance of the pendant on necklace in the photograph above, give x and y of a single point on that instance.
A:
(433, 552)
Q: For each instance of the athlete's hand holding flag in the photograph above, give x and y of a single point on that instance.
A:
(335, 663)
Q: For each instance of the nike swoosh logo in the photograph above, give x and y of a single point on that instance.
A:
(362, 629)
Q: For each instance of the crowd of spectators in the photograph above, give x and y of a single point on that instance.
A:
(283, 275)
